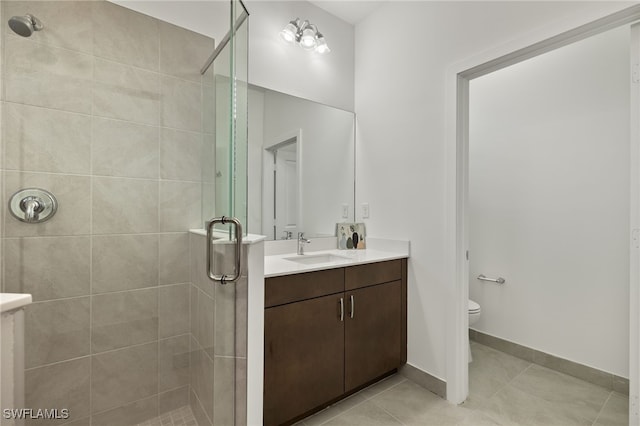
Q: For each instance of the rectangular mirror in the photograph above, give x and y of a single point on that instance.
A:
(301, 165)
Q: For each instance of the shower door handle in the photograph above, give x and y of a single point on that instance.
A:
(223, 279)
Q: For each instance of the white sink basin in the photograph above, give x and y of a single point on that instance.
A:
(312, 259)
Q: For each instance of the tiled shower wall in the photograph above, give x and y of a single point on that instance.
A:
(103, 108)
(218, 338)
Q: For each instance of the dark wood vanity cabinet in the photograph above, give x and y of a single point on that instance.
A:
(328, 333)
(304, 360)
(372, 336)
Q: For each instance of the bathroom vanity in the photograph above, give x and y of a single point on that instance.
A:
(331, 329)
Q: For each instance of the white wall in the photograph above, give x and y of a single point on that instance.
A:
(403, 51)
(549, 201)
(276, 65)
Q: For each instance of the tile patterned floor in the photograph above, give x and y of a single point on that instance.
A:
(503, 390)
(182, 416)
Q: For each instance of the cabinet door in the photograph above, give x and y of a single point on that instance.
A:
(304, 357)
(373, 335)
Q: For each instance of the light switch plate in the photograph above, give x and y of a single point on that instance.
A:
(345, 211)
(365, 210)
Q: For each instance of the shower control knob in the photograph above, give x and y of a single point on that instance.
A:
(33, 205)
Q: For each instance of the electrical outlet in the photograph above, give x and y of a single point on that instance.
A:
(365, 210)
(345, 211)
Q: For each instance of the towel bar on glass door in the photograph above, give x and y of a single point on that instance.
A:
(498, 280)
(223, 279)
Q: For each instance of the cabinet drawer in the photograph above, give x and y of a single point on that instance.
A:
(373, 273)
(293, 288)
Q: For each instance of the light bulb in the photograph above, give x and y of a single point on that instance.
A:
(308, 39)
(321, 45)
(288, 34)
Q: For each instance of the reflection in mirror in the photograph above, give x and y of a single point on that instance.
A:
(280, 188)
(301, 165)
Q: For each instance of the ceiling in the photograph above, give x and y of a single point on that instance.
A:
(351, 11)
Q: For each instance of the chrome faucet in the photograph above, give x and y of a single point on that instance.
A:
(301, 242)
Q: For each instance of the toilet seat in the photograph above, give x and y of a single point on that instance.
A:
(474, 308)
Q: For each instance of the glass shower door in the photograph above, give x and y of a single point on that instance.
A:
(225, 193)
(219, 361)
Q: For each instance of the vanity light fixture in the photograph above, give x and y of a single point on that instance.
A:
(306, 35)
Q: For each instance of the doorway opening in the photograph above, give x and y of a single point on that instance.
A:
(281, 181)
(458, 177)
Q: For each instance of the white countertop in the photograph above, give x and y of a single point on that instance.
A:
(381, 250)
(11, 301)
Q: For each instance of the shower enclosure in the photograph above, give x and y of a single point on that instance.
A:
(114, 112)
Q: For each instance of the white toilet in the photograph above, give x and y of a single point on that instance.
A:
(474, 312)
(474, 316)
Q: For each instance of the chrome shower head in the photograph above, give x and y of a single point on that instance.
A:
(25, 25)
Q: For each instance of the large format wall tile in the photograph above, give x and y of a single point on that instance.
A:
(181, 104)
(123, 319)
(125, 36)
(41, 75)
(225, 313)
(73, 194)
(120, 377)
(198, 264)
(124, 262)
(181, 155)
(46, 140)
(174, 259)
(48, 268)
(173, 363)
(173, 309)
(223, 396)
(56, 331)
(209, 110)
(183, 52)
(68, 23)
(124, 206)
(202, 378)
(231, 319)
(193, 314)
(205, 323)
(62, 385)
(124, 149)
(126, 93)
(179, 206)
(209, 162)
